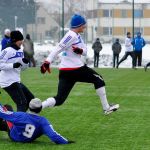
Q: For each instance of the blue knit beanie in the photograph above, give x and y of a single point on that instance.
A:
(77, 21)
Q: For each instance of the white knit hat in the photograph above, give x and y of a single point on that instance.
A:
(35, 103)
(7, 31)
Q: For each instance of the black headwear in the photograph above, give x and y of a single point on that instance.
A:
(117, 40)
(16, 36)
(28, 36)
(128, 33)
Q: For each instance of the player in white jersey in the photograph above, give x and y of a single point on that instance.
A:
(12, 61)
(72, 69)
(128, 50)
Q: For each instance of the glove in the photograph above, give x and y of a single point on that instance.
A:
(25, 60)
(45, 67)
(70, 142)
(77, 50)
(17, 65)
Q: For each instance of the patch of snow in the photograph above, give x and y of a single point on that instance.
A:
(42, 51)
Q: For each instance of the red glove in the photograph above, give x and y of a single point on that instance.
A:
(77, 50)
(45, 67)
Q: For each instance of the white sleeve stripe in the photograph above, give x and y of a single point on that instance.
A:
(57, 133)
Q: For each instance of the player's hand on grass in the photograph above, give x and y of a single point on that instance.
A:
(70, 142)
(45, 67)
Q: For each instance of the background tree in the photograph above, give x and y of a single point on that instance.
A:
(23, 9)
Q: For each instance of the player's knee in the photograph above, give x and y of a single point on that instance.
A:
(99, 84)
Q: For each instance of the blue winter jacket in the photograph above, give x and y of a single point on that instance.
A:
(5, 42)
(138, 43)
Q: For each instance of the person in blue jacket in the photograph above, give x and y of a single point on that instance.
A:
(26, 127)
(138, 44)
(6, 40)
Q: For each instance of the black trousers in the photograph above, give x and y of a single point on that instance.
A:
(115, 59)
(96, 59)
(20, 94)
(125, 57)
(67, 80)
(138, 57)
(148, 64)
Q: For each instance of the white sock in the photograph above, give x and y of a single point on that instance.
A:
(50, 102)
(102, 94)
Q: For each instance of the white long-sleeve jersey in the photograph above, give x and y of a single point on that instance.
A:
(128, 45)
(69, 59)
(8, 74)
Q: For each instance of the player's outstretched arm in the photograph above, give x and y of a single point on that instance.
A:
(54, 136)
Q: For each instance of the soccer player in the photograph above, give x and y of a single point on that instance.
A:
(128, 51)
(12, 62)
(26, 127)
(72, 69)
(146, 66)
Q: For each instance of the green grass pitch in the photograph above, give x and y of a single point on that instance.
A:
(81, 117)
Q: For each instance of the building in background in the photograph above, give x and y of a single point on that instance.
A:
(45, 27)
(115, 19)
(105, 19)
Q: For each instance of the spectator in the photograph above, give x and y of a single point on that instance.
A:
(6, 40)
(116, 48)
(128, 50)
(138, 44)
(29, 50)
(97, 47)
(12, 61)
(26, 127)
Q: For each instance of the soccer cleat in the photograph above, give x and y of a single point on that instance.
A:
(112, 108)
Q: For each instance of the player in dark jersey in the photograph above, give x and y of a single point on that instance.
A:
(26, 127)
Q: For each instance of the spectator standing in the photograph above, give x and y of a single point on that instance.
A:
(12, 61)
(6, 40)
(116, 48)
(138, 44)
(97, 47)
(29, 50)
(128, 50)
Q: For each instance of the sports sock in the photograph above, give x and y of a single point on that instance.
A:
(50, 102)
(102, 94)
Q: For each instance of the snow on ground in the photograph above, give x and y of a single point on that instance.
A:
(42, 51)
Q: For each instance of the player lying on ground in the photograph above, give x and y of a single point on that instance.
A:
(72, 69)
(26, 127)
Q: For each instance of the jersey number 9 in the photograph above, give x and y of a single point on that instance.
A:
(29, 130)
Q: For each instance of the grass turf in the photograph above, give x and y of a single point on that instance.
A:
(81, 117)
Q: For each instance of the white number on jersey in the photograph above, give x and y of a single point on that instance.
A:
(29, 130)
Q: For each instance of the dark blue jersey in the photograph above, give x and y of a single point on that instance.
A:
(27, 127)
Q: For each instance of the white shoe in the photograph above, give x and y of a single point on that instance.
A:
(112, 108)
